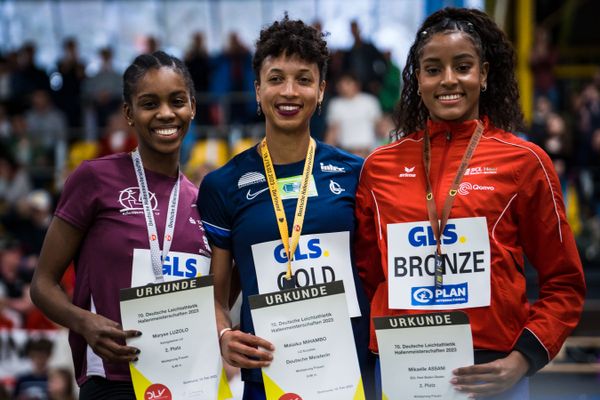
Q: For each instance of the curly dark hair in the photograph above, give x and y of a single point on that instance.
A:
(500, 102)
(292, 38)
(156, 60)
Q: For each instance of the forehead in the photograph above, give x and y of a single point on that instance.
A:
(288, 64)
(448, 45)
(160, 80)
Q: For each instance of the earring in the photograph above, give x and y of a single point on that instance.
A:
(258, 109)
(129, 122)
(483, 87)
(419, 92)
(319, 107)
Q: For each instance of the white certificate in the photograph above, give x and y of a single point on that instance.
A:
(419, 351)
(179, 356)
(315, 356)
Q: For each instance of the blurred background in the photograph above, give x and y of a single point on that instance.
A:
(60, 103)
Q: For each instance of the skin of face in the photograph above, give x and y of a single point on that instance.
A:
(161, 110)
(288, 92)
(451, 77)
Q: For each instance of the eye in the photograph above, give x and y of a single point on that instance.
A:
(305, 80)
(275, 78)
(179, 102)
(463, 68)
(147, 105)
(431, 70)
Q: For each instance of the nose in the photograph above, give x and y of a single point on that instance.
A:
(449, 77)
(289, 88)
(165, 112)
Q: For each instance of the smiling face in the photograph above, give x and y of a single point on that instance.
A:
(161, 110)
(288, 92)
(451, 77)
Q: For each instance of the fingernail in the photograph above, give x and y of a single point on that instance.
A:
(453, 380)
(137, 351)
(138, 333)
(135, 359)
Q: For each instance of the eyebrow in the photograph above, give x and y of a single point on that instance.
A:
(176, 93)
(279, 70)
(460, 56)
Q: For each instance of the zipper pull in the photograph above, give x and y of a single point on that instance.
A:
(448, 136)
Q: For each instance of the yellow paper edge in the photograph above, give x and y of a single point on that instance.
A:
(360, 391)
(272, 390)
(384, 397)
(140, 382)
(224, 389)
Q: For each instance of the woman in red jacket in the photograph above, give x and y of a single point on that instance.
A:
(457, 186)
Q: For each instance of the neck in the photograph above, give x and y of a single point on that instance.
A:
(165, 164)
(287, 149)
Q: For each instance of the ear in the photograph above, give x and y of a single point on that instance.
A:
(128, 113)
(485, 68)
(257, 90)
(193, 101)
(418, 76)
(322, 87)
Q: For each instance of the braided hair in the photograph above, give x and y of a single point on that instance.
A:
(292, 38)
(500, 102)
(145, 62)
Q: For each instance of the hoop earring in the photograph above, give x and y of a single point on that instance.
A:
(419, 92)
(258, 109)
(483, 87)
(319, 107)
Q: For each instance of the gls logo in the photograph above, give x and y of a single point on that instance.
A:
(423, 236)
(313, 250)
(306, 275)
(180, 267)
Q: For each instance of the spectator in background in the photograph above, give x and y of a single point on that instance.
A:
(47, 132)
(60, 384)
(118, 137)
(390, 88)
(6, 80)
(14, 284)
(542, 60)
(102, 92)
(365, 61)
(233, 75)
(14, 180)
(68, 91)
(352, 117)
(28, 77)
(198, 63)
(34, 384)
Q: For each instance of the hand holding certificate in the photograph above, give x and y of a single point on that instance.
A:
(179, 356)
(418, 353)
(315, 357)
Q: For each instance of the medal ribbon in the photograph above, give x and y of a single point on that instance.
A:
(155, 253)
(289, 246)
(438, 225)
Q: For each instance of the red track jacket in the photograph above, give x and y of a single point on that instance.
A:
(525, 217)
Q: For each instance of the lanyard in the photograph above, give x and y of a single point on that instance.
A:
(438, 225)
(282, 224)
(155, 253)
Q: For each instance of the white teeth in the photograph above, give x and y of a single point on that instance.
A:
(166, 132)
(450, 97)
(289, 108)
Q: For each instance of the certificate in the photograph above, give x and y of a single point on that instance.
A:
(315, 356)
(179, 356)
(419, 351)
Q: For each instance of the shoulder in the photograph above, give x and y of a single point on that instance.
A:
(327, 154)
(243, 169)
(515, 145)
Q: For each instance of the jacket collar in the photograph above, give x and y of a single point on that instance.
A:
(458, 129)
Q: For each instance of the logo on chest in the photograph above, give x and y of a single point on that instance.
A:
(467, 187)
(130, 200)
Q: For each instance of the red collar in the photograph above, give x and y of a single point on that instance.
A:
(458, 129)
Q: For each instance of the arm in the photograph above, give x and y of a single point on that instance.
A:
(102, 334)
(366, 250)
(238, 348)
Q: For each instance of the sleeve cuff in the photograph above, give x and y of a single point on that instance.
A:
(529, 345)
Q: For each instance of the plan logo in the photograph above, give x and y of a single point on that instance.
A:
(448, 294)
(131, 201)
(409, 172)
(158, 392)
(466, 187)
